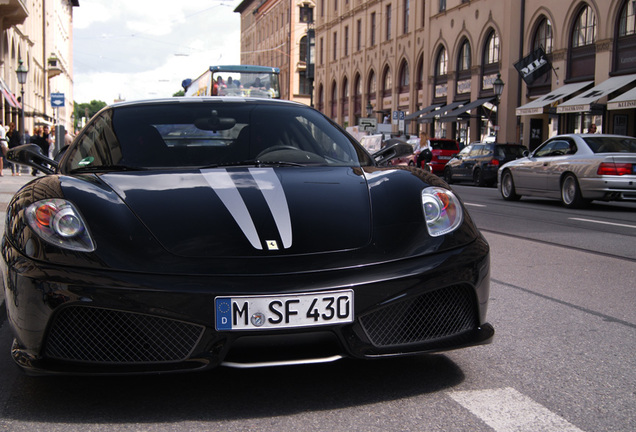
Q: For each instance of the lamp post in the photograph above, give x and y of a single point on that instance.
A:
(21, 72)
(369, 109)
(498, 86)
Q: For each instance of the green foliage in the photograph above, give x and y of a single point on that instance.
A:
(179, 93)
(87, 110)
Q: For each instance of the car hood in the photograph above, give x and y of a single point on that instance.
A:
(250, 211)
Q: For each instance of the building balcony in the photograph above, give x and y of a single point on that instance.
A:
(13, 12)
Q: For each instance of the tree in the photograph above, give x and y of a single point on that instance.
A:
(86, 110)
(179, 93)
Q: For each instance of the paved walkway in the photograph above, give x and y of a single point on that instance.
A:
(9, 185)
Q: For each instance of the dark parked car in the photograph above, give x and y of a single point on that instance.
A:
(188, 233)
(576, 169)
(443, 150)
(479, 162)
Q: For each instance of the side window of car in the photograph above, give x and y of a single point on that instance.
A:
(477, 150)
(544, 150)
(97, 146)
(560, 148)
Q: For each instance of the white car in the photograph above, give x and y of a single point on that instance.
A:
(575, 169)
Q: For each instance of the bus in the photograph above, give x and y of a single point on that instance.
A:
(236, 80)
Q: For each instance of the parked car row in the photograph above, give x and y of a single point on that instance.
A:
(574, 168)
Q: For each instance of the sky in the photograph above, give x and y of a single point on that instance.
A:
(140, 49)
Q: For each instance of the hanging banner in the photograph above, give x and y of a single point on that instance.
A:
(533, 66)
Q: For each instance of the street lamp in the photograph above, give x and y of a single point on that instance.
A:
(369, 109)
(21, 72)
(498, 86)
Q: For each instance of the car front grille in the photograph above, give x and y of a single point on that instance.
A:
(96, 335)
(433, 315)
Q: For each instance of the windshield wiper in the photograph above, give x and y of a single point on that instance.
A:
(105, 168)
(254, 163)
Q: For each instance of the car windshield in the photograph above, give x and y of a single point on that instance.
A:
(605, 144)
(510, 151)
(444, 145)
(209, 134)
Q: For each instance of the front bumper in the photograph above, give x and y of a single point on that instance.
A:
(87, 322)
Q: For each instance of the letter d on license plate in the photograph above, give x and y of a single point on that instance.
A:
(276, 311)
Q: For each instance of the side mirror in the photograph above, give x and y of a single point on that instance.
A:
(31, 155)
(526, 153)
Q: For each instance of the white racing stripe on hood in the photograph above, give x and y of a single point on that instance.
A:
(269, 185)
(272, 190)
(221, 182)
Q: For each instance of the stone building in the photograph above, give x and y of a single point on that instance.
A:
(436, 61)
(39, 33)
(274, 33)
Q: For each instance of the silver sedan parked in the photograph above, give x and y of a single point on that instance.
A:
(575, 169)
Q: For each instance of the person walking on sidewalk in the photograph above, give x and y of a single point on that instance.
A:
(13, 137)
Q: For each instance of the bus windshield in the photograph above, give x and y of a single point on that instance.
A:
(242, 81)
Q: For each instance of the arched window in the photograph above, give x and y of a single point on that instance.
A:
(302, 49)
(625, 39)
(441, 64)
(387, 82)
(321, 98)
(542, 38)
(492, 51)
(463, 62)
(357, 95)
(463, 75)
(372, 87)
(404, 83)
(345, 97)
(419, 82)
(441, 79)
(584, 32)
(334, 101)
(581, 52)
(490, 62)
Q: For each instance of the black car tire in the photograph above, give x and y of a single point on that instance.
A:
(478, 177)
(448, 175)
(571, 192)
(507, 187)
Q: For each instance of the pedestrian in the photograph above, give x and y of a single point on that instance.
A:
(591, 129)
(425, 144)
(68, 139)
(4, 145)
(14, 140)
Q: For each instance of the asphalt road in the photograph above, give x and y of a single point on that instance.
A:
(562, 303)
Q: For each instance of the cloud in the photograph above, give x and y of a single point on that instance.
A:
(145, 48)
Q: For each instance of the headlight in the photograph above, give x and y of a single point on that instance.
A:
(59, 223)
(442, 211)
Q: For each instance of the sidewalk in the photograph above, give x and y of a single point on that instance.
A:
(9, 185)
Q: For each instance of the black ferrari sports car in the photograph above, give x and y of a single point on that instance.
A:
(188, 233)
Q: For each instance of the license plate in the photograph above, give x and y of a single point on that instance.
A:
(283, 311)
(444, 157)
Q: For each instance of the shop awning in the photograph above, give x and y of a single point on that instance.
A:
(625, 101)
(422, 111)
(456, 113)
(537, 106)
(428, 118)
(8, 95)
(584, 101)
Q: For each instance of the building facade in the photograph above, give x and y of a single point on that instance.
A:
(274, 33)
(437, 61)
(38, 33)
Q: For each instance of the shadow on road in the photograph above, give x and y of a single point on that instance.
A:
(227, 394)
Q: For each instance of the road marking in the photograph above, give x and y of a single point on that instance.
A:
(603, 222)
(475, 205)
(506, 410)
